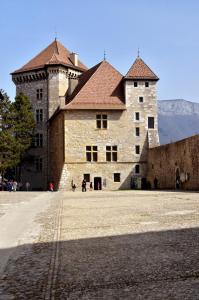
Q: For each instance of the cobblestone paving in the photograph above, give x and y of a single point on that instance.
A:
(105, 245)
(27, 272)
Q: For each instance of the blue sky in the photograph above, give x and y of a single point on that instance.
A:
(166, 31)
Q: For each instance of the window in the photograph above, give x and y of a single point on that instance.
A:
(91, 153)
(151, 122)
(146, 84)
(38, 141)
(111, 153)
(87, 177)
(135, 83)
(141, 99)
(39, 164)
(116, 177)
(137, 131)
(39, 115)
(137, 169)
(101, 121)
(137, 149)
(137, 116)
(39, 94)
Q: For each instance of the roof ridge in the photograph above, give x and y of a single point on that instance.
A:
(139, 58)
(140, 70)
(36, 56)
(100, 85)
(113, 67)
(84, 74)
(46, 55)
(57, 46)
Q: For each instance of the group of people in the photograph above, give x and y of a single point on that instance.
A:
(13, 186)
(84, 186)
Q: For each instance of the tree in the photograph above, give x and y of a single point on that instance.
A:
(16, 130)
(9, 150)
(24, 123)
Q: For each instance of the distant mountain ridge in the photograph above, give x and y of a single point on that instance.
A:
(177, 119)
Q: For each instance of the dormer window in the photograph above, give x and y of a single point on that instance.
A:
(135, 83)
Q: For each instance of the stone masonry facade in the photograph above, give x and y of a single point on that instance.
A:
(51, 81)
(69, 121)
(175, 161)
(80, 131)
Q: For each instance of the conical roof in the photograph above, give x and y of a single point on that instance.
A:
(139, 70)
(55, 53)
(99, 87)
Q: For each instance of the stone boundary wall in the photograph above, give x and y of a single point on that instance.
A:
(176, 160)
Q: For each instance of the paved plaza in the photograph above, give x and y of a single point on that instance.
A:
(99, 245)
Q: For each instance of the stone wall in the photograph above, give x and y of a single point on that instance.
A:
(54, 85)
(56, 150)
(38, 180)
(147, 108)
(167, 161)
(81, 131)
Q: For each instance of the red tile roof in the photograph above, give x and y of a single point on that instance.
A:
(99, 87)
(140, 70)
(55, 53)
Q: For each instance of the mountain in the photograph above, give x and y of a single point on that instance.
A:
(177, 119)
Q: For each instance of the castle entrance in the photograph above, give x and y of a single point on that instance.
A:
(97, 183)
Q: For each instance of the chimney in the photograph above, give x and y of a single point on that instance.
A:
(74, 58)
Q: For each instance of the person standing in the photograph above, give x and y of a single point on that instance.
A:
(91, 186)
(83, 185)
(27, 186)
(155, 182)
(51, 187)
(73, 187)
(14, 186)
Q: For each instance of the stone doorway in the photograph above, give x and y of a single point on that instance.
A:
(97, 183)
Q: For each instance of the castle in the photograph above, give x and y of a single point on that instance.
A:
(93, 124)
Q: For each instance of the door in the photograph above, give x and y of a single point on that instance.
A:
(97, 183)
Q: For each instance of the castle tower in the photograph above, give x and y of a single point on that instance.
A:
(46, 79)
(141, 102)
(141, 99)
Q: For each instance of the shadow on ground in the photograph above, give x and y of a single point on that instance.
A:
(153, 265)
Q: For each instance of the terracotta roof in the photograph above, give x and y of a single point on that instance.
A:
(140, 70)
(100, 86)
(55, 53)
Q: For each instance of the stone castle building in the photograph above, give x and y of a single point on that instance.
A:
(93, 124)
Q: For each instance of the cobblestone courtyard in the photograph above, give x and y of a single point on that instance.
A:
(99, 245)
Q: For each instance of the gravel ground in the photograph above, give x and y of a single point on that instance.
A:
(129, 245)
(100, 245)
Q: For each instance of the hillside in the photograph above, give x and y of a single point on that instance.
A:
(178, 119)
